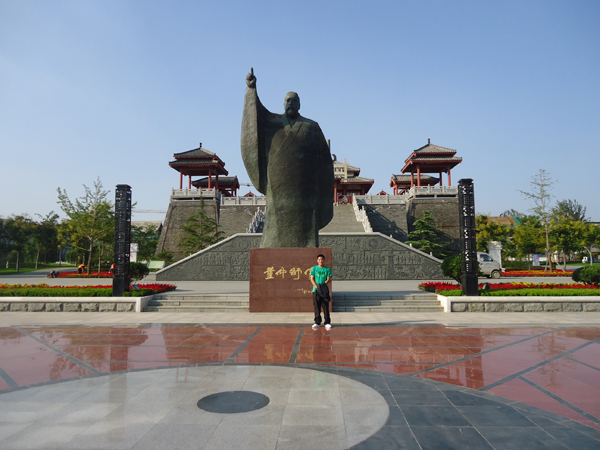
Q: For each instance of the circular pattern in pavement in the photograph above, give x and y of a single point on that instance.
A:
(233, 402)
(158, 409)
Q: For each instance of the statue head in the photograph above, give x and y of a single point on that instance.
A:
(291, 105)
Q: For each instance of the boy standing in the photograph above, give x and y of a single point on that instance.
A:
(320, 277)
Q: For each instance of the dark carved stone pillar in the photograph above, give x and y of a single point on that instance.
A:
(468, 242)
(122, 239)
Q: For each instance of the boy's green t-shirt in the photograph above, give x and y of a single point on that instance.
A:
(320, 274)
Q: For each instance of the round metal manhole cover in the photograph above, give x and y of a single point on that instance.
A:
(233, 402)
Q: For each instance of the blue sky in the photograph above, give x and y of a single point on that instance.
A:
(112, 89)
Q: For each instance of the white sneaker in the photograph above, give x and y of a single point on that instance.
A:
(328, 327)
(315, 327)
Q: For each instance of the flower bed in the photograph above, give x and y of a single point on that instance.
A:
(76, 274)
(537, 273)
(43, 290)
(514, 289)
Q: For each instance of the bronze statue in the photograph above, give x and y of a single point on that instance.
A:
(288, 160)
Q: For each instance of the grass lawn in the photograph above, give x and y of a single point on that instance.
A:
(28, 267)
(582, 264)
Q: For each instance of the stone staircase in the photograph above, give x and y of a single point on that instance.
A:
(198, 303)
(344, 220)
(389, 220)
(357, 302)
(382, 302)
(236, 218)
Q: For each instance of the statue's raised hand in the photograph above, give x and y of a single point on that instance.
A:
(251, 79)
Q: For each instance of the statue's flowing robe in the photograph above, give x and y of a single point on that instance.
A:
(292, 166)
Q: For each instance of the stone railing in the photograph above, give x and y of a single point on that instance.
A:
(432, 191)
(191, 194)
(378, 199)
(361, 216)
(259, 217)
(243, 200)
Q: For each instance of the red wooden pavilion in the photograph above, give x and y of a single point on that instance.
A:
(428, 159)
(199, 162)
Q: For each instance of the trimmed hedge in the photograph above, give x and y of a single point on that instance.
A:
(69, 292)
(587, 274)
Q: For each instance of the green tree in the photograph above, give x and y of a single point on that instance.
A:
(200, 231)
(568, 236)
(489, 231)
(512, 213)
(426, 237)
(528, 237)
(541, 185)
(569, 208)
(591, 238)
(166, 256)
(17, 232)
(45, 235)
(147, 239)
(90, 221)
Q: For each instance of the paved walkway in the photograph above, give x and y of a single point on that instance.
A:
(268, 381)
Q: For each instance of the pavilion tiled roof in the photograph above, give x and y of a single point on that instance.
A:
(222, 180)
(196, 153)
(435, 149)
(406, 178)
(358, 180)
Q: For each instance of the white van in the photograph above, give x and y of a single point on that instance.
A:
(488, 266)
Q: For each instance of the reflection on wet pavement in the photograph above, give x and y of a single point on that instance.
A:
(555, 369)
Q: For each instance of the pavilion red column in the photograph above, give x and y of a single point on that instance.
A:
(209, 177)
(217, 182)
(180, 180)
(335, 185)
(419, 176)
(190, 182)
(449, 177)
(412, 179)
(441, 181)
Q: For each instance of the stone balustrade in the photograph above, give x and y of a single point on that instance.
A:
(361, 216)
(243, 200)
(192, 194)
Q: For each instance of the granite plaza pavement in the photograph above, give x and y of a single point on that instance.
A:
(268, 381)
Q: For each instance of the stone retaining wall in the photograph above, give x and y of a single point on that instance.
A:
(73, 304)
(355, 256)
(520, 304)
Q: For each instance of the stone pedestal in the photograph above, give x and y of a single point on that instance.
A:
(280, 278)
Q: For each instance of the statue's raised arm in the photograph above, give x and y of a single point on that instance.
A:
(254, 152)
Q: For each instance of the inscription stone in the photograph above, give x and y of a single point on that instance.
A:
(279, 278)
